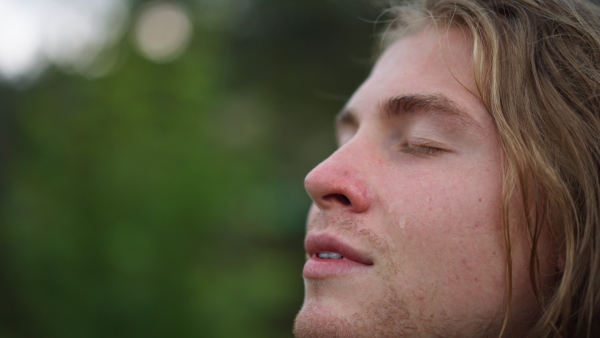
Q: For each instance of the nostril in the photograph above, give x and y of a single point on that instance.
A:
(338, 197)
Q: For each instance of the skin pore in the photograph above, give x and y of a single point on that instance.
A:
(415, 191)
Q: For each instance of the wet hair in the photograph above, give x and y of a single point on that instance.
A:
(537, 70)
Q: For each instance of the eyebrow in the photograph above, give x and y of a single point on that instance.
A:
(425, 104)
(432, 104)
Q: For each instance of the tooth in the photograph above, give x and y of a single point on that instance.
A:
(329, 255)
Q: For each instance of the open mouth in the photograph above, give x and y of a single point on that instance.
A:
(329, 255)
(329, 247)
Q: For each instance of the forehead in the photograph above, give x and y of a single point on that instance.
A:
(431, 62)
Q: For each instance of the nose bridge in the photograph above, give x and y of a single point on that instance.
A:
(339, 182)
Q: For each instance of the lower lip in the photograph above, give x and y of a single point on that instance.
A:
(316, 267)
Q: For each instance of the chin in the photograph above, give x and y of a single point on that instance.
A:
(323, 319)
(318, 321)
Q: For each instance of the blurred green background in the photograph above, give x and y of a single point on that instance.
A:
(151, 176)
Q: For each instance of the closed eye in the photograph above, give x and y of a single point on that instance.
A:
(420, 150)
(424, 149)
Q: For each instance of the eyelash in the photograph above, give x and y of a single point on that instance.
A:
(420, 149)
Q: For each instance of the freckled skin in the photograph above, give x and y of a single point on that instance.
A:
(441, 274)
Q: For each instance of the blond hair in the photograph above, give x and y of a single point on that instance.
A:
(537, 70)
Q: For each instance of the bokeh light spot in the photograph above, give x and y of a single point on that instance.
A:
(20, 51)
(35, 34)
(162, 31)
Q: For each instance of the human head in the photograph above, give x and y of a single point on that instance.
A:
(534, 69)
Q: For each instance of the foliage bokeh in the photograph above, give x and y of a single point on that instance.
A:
(166, 200)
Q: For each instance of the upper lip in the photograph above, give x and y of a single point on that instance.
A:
(323, 242)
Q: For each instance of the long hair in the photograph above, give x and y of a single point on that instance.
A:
(537, 69)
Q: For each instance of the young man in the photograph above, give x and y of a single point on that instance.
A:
(463, 200)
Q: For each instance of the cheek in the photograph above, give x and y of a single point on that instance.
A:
(448, 229)
(446, 203)
(312, 213)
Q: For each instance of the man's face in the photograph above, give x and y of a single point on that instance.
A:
(411, 201)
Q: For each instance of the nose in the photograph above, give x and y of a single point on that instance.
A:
(337, 183)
